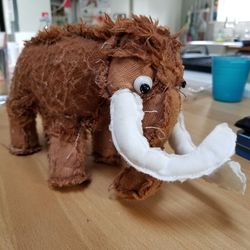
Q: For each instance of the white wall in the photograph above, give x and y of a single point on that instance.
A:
(233, 11)
(29, 12)
(8, 14)
(168, 12)
(118, 6)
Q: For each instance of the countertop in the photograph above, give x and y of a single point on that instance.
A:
(189, 215)
(213, 43)
(201, 80)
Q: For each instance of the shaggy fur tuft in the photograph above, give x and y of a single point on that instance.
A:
(138, 36)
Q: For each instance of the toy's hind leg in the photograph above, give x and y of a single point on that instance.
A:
(67, 159)
(103, 148)
(22, 115)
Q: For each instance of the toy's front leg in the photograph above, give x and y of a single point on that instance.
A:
(132, 184)
(67, 158)
(129, 183)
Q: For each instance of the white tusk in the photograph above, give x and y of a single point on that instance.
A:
(127, 135)
(180, 139)
(229, 176)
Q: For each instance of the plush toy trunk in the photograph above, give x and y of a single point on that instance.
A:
(243, 144)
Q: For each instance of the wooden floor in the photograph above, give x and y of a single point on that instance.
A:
(192, 215)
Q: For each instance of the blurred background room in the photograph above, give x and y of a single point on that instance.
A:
(209, 28)
(215, 89)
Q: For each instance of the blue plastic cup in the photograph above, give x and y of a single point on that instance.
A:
(229, 77)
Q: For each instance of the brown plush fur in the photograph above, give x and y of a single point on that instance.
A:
(67, 75)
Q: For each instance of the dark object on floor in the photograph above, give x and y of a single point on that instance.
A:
(243, 152)
(244, 124)
(243, 138)
(202, 64)
(243, 144)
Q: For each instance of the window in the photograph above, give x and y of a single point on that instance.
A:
(233, 10)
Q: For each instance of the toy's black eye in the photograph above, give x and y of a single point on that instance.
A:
(143, 84)
(183, 84)
(144, 88)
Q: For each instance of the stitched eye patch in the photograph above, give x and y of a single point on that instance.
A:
(143, 84)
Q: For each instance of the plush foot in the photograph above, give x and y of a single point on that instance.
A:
(26, 151)
(67, 163)
(131, 184)
(110, 160)
(59, 182)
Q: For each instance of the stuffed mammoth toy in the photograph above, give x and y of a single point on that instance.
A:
(121, 82)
